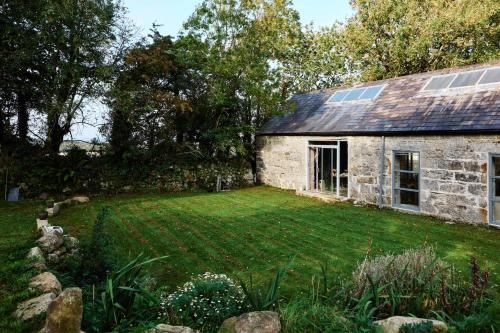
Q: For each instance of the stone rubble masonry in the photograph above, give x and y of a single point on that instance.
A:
(453, 169)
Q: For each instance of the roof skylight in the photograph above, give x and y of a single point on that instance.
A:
(358, 94)
(464, 79)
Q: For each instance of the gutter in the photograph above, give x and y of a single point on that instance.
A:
(385, 133)
(381, 175)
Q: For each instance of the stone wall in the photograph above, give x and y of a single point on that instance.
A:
(453, 176)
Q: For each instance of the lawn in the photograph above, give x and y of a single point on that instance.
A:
(254, 231)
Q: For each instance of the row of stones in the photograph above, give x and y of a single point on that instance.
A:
(63, 308)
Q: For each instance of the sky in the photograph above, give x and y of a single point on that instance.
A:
(171, 14)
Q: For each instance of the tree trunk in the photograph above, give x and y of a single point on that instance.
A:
(22, 117)
(55, 134)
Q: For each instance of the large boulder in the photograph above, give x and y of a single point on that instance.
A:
(394, 324)
(50, 241)
(35, 254)
(164, 328)
(64, 314)
(34, 307)
(46, 282)
(252, 322)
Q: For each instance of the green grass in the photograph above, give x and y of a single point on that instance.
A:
(249, 231)
(17, 225)
(255, 231)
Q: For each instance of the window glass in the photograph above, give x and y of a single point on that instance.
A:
(407, 180)
(496, 186)
(439, 82)
(407, 161)
(496, 165)
(403, 197)
(339, 96)
(491, 76)
(371, 92)
(354, 94)
(466, 79)
(496, 211)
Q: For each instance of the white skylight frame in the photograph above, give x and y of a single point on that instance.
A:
(347, 91)
(454, 75)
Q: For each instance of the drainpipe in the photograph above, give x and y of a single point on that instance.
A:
(381, 176)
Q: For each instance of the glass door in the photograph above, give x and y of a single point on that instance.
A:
(323, 168)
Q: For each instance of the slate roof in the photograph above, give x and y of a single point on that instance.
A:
(401, 108)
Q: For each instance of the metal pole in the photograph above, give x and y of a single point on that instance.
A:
(381, 177)
(337, 167)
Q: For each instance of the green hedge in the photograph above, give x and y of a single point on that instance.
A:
(77, 172)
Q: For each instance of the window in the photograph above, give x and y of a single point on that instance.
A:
(359, 94)
(495, 189)
(405, 180)
(464, 79)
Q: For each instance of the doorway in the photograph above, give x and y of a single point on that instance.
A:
(328, 167)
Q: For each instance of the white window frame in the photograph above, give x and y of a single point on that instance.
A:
(393, 187)
(330, 144)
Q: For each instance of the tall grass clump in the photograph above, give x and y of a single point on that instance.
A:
(416, 282)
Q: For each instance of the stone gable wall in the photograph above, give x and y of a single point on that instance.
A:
(453, 170)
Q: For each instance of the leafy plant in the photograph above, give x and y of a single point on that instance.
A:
(95, 261)
(125, 297)
(264, 297)
(205, 302)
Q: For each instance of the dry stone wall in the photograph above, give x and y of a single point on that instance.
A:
(453, 176)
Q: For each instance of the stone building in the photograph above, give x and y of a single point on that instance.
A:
(427, 143)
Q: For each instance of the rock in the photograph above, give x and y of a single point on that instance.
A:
(41, 223)
(46, 282)
(252, 322)
(393, 324)
(53, 258)
(80, 199)
(35, 254)
(70, 242)
(50, 241)
(163, 328)
(48, 229)
(34, 307)
(67, 201)
(64, 314)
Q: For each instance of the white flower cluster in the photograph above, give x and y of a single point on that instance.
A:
(206, 298)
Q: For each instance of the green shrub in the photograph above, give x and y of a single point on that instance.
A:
(264, 297)
(205, 302)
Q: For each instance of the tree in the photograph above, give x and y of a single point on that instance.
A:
(147, 107)
(20, 57)
(78, 38)
(247, 47)
(388, 38)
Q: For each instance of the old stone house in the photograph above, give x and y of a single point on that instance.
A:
(426, 143)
